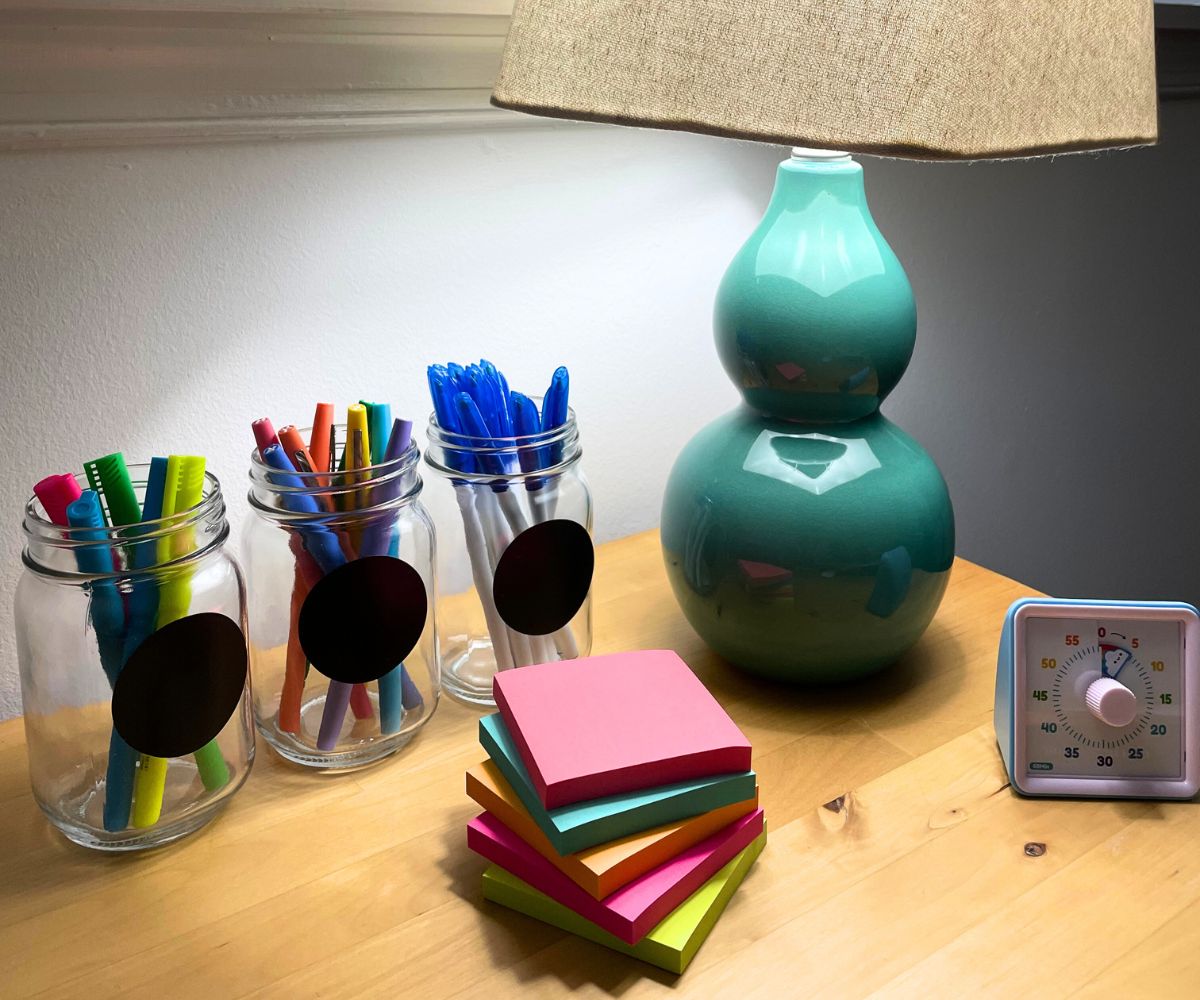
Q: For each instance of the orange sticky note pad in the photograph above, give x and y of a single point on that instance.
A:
(613, 724)
(603, 869)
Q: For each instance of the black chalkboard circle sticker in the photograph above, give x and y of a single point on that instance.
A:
(544, 577)
(361, 620)
(181, 686)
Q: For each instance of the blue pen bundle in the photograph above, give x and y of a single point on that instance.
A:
(525, 515)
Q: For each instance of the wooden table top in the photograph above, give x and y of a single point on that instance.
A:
(895, 864)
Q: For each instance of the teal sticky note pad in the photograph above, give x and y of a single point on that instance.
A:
(584, 824)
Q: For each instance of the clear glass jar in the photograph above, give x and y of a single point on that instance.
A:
(515, 558)
(134, 682)
(343, 636)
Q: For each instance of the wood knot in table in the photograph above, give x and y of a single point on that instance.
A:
(945, 818)
(835, 813)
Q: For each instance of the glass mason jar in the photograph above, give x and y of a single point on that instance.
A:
(343, 638)
(134, 684)
(515, 558)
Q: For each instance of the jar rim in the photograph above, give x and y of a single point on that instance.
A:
(210, 498)
(408, 457)
(490, 443)
(386, 483)
(448, 451)
(43, 534)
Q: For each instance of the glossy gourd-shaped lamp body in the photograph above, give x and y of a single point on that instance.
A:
(806, 536)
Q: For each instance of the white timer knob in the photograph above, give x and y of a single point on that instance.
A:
(1111, 702)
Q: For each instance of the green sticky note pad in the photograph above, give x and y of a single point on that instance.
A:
(582, 825)
(671, 945)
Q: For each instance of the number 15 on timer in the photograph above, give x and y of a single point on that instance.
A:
(1100, 698)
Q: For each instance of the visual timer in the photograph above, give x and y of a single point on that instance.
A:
(1095, 698)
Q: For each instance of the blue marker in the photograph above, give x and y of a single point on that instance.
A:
(499, 414)
(527, 424)
(442, 391)
(474, 424)
(108, 619)
(554, 406)
(554, 414)
(107, 608)
(143, 602)
(318, 539)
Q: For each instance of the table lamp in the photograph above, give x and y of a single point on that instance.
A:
(806, 537)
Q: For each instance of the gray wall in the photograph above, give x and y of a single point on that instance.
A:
(1056, 374)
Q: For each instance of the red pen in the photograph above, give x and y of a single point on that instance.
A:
(264, 434)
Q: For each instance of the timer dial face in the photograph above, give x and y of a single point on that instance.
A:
(1065, 736)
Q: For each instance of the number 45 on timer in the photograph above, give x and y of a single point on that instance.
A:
(1100, 698)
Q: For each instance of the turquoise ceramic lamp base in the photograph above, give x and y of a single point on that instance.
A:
(808, 538)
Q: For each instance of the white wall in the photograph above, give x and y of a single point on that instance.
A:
(154, 299)
(158, 299)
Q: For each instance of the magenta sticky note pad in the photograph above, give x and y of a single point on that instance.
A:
(607, 725)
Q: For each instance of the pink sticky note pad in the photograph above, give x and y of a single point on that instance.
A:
(608, 725)
(636, 908)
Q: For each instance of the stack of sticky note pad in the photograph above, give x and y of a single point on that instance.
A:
(620, 802)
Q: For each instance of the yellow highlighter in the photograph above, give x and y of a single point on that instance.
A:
(183, 490)
(356, 456)
(358, 440)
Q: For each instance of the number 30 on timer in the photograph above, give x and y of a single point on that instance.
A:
(1099, 698)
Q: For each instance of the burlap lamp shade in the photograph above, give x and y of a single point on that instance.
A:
(806, 537)
(938, 79)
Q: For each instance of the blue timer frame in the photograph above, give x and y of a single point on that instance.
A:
(1009, 670)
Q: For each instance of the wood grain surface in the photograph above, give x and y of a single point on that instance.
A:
(896, 864)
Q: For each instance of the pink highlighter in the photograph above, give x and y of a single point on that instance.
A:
(57, 493)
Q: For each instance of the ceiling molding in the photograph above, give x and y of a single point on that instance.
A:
(105, 74)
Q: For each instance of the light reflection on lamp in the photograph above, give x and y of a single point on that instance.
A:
(815, 468)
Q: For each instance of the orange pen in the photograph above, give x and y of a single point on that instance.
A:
(292, 693)
(296, 450)
(321, 447)
(293, 446)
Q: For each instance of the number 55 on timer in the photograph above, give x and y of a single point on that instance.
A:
(1100, 698)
